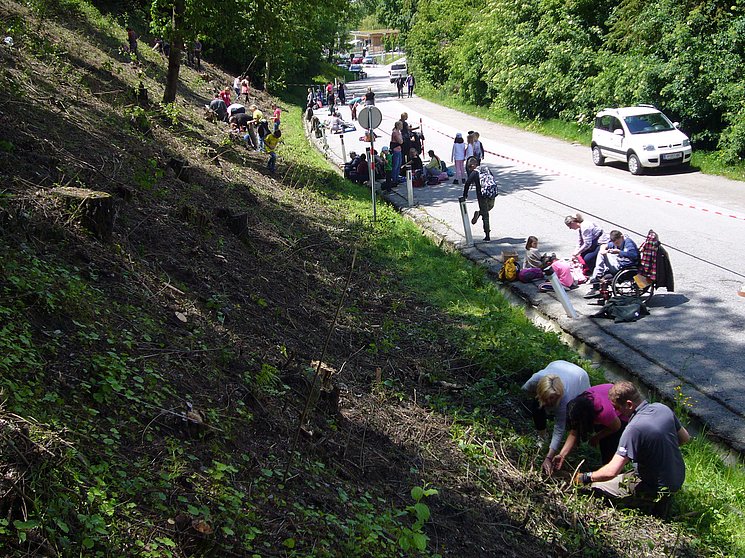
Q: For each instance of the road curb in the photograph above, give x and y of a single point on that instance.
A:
(722, 423)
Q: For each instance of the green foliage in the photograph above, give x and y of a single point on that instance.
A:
(549, 59)
(413, 538)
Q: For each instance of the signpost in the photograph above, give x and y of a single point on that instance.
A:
(371, 117)
(466, 222)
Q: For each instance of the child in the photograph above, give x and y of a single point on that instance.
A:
(276, 116)
(245, 88)
(270, 145)
(388, 167)
(533, 258)
(458, 156)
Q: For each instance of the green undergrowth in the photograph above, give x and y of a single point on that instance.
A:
(508, 347)
(709, 162)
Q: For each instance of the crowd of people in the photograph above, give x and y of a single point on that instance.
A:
(624, 427)
(247, 124)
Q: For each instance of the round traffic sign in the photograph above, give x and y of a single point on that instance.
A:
(370, 117)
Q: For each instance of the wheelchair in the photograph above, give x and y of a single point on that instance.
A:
(631, 281)
(640, 281)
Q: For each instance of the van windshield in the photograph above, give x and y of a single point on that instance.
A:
(398, 67)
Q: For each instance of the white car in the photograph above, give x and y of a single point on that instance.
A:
(399, 69)
(641, 136)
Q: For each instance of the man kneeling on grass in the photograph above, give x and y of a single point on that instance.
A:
(652, 442)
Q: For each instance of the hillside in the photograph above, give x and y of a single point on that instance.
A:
(153, 380)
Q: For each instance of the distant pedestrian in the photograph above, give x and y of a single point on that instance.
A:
(396, 145)
(458, 156)
(341, 92)
(400, 81)
(330, 94)
(410, 82)
(132, 42)
(478, 147)
(276, 116)
(237, 86)
(245, 88)
(197, 50)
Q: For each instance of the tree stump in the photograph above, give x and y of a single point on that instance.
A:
(95, 211)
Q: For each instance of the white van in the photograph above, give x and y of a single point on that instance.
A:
(398, 70)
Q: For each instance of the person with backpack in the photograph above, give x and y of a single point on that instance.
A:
(486, 192)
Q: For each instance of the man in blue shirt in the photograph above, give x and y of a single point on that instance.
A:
(621, 252)
(652, 442)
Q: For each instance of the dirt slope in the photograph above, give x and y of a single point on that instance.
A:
(152, 382)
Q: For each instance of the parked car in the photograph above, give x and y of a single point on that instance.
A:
(368, 60)
(357, 59)
(640, 136)
(397, 70)
(357, 69)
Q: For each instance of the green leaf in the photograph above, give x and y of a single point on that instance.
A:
(422, 512)
(417, 493)
(289, 543)
(88, 542)
(419, 540)
(25, 525)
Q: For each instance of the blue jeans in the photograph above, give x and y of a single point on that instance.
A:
(397, 160)
(272, 164)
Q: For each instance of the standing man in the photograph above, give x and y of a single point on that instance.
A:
(369, 97)
(132, 41)
(486, 201)
(270, 144)
(410, 82)
(400, 81)
(197, 49)
(652, 442)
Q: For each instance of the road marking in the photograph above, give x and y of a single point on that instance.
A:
(592, 182)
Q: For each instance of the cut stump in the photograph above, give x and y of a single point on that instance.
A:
(96, 211)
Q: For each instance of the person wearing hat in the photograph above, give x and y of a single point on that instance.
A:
(458, 156)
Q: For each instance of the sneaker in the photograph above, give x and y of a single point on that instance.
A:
(455, 181)
(475, 217)
(487, 238)
(593, 293)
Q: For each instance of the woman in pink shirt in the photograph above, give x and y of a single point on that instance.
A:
(276, 116)
(591, 414)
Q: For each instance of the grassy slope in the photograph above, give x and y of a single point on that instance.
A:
(101, 454)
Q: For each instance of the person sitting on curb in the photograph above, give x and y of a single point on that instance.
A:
(553, 388)
(651, 441)
(434, 167)
(620, 253)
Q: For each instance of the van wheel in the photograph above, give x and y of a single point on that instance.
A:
(597, 156)
(635, 166)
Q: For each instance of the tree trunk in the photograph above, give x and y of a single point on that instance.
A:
(174, 57)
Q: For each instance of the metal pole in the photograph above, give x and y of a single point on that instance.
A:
(409, 188)
(343, 150)
(466, 222)
(372, 166)
(561, 293)
(421, 133)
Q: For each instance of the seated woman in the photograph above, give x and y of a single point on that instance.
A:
(591, 414)
(415, 163)
(433, 168)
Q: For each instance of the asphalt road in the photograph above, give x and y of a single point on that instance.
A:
(694, 337)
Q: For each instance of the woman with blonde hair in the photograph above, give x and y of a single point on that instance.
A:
(553, 388)
(590, 239)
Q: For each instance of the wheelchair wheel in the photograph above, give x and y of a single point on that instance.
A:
(624, 285)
